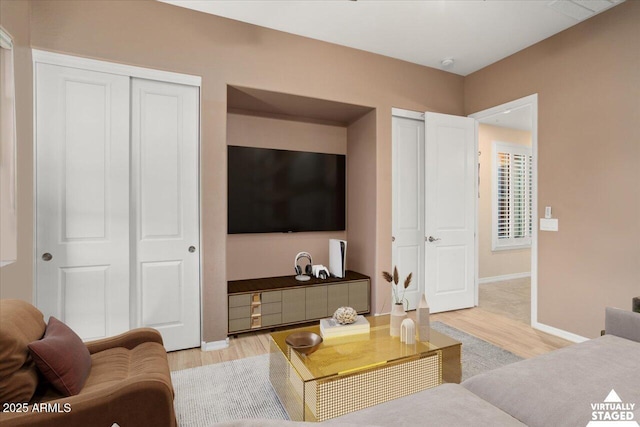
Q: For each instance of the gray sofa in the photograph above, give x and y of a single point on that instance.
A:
(566, 387)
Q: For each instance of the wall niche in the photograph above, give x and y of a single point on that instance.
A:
(265, 119)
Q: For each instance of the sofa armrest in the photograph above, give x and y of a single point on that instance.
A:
(137, 401)
(622, 323)
(128, 340)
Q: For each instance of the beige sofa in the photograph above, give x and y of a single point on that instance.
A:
(557, 389)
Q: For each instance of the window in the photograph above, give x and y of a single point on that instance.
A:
(512, 203)
(8, 218)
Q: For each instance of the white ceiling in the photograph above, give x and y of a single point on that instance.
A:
(518, 118)
(474, 33)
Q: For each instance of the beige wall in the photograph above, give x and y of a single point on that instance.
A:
(505, 262)
(226, 52)
(362, 183)
(16, 280)
(588, 84)
(272, 254)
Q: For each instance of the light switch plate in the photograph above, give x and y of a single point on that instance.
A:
(548, 224)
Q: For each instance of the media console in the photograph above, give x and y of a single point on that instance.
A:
(264, 303)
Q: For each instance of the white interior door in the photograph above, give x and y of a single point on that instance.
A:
(165, 186)
(82, 199)
(450, 200)
(408, 204)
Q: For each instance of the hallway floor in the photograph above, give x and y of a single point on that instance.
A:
(510, 298)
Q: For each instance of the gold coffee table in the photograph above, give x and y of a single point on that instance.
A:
(350, 373)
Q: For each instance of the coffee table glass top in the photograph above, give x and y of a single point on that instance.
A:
(352, 353)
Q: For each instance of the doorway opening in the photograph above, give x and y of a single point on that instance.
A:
(506, 243)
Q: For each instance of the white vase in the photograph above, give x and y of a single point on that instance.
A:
(422, 316)
(397, 316)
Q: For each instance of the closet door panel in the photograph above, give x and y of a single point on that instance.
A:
(82, 199)
(161, 168)
(165, 185)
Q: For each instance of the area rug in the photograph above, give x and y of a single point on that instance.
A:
(241, 389)
(477, 355)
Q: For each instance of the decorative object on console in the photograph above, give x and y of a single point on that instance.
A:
(337, 257)
(394, 281)
(320, 272)
(345, 315)
(422, 316)
(408, 332)
(397, 316)
(330, 328)
(304, 342)
(308, 269)
(397, 310)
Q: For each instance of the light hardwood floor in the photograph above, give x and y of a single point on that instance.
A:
(502, 331)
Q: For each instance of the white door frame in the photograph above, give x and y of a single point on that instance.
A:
(45, 57)
(532, 101)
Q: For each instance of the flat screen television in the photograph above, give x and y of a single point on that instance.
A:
(281, 191)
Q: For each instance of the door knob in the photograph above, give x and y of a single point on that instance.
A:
(393, 238)
(192, 249)
(433, 239)
(47, 256)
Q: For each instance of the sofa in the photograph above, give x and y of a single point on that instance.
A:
(126, 380)
(593, 383)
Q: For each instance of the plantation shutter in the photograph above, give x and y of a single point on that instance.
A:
(512, 196)
(504, 196)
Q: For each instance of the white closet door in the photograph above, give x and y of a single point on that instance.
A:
(165, 185)
(82, 199)
(408, 205)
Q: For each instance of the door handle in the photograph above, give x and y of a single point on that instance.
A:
(432, 239)
(192, 249)
(47, 256)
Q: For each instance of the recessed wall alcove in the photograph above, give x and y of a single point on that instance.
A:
(266, 119)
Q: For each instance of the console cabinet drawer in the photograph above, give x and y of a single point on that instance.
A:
(293, 305)
(239, 300)
(240, 324)
(316, 302)
(337, 296)
(239, 312)
(271, 319)
(359, 295)
(272, 296)
(271, 308)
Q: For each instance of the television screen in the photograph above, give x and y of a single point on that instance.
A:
(272, 191)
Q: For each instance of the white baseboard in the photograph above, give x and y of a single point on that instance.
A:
(504, 277)
(570, 336)
(214, 345)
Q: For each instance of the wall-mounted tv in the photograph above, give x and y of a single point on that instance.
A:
(281, 191)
